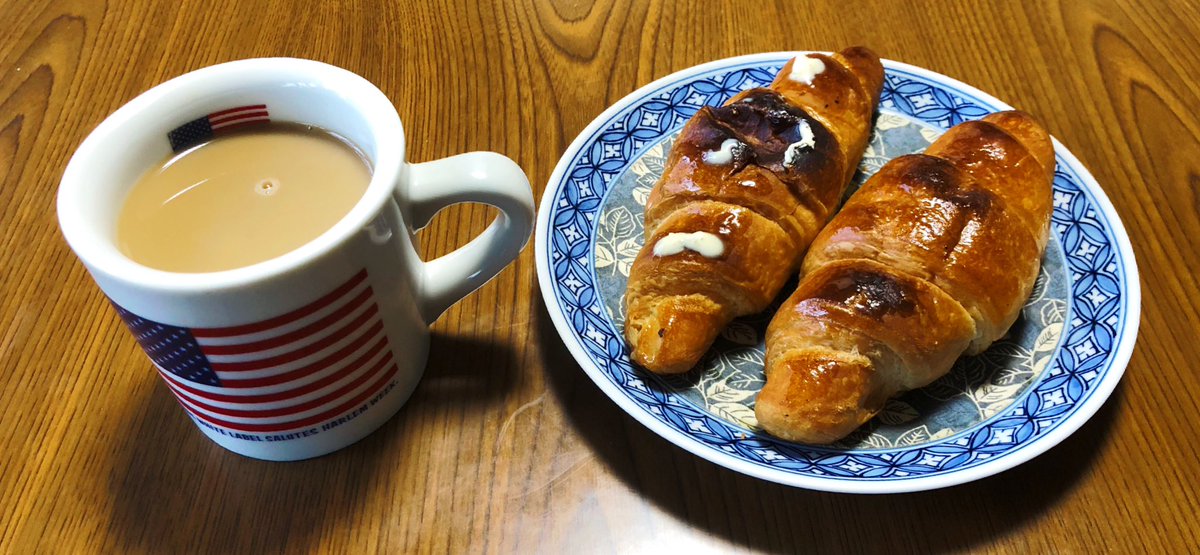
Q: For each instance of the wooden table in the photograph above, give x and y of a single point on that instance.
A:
(506, 445)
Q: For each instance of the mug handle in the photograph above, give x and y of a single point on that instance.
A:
(484, 177)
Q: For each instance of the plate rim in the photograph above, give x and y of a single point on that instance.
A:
(1122, 349)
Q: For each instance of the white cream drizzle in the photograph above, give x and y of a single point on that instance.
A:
(807, 140)
(724, 154)
(703, 242)
(804, 69)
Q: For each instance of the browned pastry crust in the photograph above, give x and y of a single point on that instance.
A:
(766, 205)
(933, 257)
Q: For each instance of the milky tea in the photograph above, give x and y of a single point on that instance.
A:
(242, 198)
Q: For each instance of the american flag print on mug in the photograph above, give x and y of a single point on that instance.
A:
(203, 129)
(291, 372)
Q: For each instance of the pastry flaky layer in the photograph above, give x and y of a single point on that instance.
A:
(932, 258)
(752, 182)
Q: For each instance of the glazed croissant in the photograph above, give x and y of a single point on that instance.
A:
(933, 257)
(745, 189)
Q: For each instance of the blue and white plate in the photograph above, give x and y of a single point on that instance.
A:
(1029, 391)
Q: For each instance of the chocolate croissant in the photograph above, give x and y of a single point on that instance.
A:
(745, 189)
(932, 258)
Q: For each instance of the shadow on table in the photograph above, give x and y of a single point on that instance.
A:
(771, 517)
(175, 491)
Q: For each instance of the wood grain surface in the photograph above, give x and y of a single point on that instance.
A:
(507, 446)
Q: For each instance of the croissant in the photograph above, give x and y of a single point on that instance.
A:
(745, 188)
(933, 257)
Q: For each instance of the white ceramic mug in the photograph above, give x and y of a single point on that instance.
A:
(302, 354)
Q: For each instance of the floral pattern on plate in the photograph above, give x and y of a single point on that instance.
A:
(991, 412)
